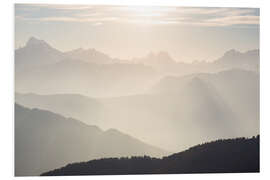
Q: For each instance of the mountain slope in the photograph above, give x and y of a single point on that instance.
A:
(221, 156)
(45, 140)
(80, 107)
(89, 55)
(201, 106)
(239, 88)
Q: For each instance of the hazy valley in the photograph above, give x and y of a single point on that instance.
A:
(85, 103)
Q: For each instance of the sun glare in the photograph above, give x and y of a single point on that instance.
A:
(144, 15)
(146, 11)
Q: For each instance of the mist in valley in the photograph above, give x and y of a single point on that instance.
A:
(168, 111)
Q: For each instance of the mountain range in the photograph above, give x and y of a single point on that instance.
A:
(42, 69)
(83, 105)
(212, 105)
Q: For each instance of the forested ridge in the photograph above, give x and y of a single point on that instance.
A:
(220, 156)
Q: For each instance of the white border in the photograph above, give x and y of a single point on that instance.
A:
(208, 3)
(7, 82)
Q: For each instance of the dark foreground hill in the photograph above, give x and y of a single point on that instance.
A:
(221, 156)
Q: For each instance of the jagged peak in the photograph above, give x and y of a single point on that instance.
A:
(33, 41)
(231, 52)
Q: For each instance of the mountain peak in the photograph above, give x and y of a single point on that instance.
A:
(161, 57)
(32, 41)
(231, 52)
(245, 59)
(253, 52)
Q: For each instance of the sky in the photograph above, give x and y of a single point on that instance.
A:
(187, 34)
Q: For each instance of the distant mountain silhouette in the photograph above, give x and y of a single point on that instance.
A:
(234, 59)
(90, 55)
(45, 140)
(221, 156)
(201, 106)
(43, 69)
(158, 60)
(204, 106)
(162, 101)
(238, 88)
(35, 54)
(83, 108)
(231, 59)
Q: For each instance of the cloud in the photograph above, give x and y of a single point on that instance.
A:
(235, 20)
(99, 15)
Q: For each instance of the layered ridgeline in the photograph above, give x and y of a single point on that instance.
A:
(43, 69)
(166, 103)
(45, 141)
(221, 156)
(83, 108)
(164, 64)
(202, 107)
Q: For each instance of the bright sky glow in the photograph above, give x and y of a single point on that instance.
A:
(132, 31)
